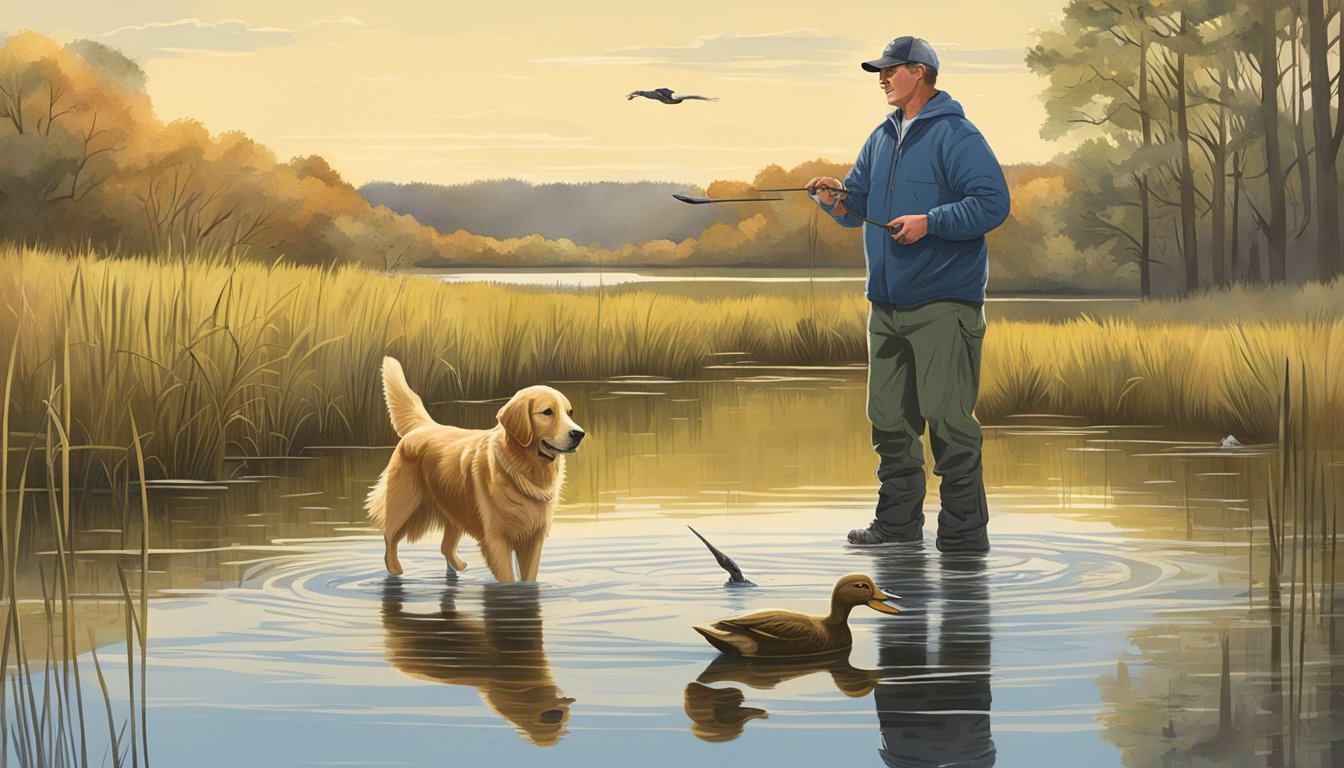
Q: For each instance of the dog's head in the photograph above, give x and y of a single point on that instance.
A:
(544, 416)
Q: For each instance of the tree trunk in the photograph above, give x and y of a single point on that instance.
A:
(1218, 193)
(1327, 179)
(1145, 118)
(1276, 227)
(1234, 248)
(1189, 234)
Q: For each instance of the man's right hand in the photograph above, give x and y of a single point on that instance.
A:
(817, 187)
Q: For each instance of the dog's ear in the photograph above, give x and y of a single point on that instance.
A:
(516, 418)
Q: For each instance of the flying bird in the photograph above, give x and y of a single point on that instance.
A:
(734, 573)
(665, 95)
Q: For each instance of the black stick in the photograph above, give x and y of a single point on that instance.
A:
(840, 195)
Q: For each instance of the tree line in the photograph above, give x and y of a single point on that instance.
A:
(86, 165)
(1212, 135)
(608, 213)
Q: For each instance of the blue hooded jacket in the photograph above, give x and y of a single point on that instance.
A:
(943, 168)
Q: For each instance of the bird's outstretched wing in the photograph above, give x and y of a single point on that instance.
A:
(726, 562)
(666, 96)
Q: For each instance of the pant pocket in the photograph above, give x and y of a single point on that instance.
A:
(972, 324)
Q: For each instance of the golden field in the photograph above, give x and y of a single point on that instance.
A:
(214, 358)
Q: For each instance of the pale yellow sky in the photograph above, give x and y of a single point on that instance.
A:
(448, 93)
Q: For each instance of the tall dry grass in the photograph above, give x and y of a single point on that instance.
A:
(43, 718)
(1207, 379)
(212, 358)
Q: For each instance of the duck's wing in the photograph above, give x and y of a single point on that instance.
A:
(701, 98)
(663, 91)
(773, 625)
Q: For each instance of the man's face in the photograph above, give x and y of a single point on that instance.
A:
(899, 83)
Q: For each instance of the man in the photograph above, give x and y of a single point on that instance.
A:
(929, 173)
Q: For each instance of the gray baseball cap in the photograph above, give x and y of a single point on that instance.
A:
(904, 50)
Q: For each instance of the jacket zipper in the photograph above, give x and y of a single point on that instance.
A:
(895, 160)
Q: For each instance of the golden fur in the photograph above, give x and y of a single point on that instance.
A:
(498, 486)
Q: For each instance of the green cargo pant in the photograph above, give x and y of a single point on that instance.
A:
(924, 369)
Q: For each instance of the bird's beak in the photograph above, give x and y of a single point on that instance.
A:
(884, 603)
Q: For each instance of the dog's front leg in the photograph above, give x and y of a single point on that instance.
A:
(498, 557)
(529, 556)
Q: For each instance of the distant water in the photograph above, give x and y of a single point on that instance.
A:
(735, 282)
(585, 278)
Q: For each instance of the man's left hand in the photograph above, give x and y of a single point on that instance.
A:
(913, 228)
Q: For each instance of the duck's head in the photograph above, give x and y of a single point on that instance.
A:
(858, 589)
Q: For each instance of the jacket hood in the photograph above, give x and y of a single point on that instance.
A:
(939, 106)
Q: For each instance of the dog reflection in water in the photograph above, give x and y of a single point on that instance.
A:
(498, 651)
(718, 714)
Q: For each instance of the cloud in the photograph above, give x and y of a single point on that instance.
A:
(955, 58)
(777, 52)
(227, 37)
(186, 36)
(805, 51)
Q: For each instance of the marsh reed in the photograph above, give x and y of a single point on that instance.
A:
(42, 706)
(214, 358)
(1303, 541)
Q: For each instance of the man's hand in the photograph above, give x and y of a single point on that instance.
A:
(826, 196)
(913, 228)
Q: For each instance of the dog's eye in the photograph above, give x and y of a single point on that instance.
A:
(570, 412)
(547, 412)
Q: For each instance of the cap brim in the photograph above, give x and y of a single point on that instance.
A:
(877, 65)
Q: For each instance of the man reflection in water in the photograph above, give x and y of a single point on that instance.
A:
(499, 652)
(935, 712)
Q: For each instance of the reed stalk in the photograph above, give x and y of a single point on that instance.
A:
(142, 625)
(117, 754)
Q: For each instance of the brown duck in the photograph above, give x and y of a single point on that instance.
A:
(786, 633)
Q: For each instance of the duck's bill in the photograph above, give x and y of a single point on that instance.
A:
(887, 604)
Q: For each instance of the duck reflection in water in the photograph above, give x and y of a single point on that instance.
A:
(934, 710)
(498, 651)
(717, 713)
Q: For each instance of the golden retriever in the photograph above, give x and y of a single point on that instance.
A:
(499, 486)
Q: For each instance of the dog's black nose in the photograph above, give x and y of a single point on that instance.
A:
(576, 435)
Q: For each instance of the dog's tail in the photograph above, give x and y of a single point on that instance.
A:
(403, 405)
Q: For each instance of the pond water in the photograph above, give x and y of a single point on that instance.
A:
(1122, 560)
(728, 282)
